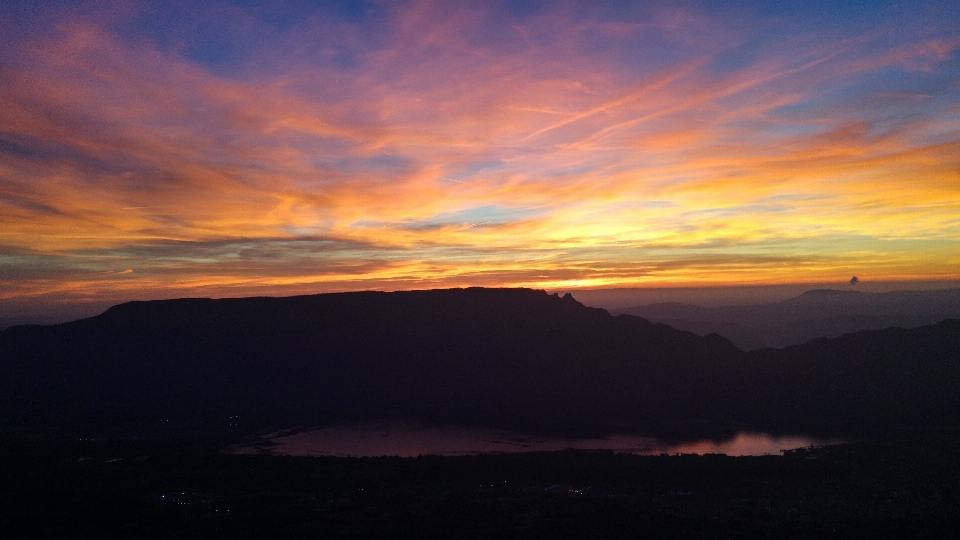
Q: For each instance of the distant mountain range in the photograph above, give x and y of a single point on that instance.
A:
(507, 358)
(813, 314)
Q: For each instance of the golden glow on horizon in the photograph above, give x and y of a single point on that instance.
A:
(446, 159)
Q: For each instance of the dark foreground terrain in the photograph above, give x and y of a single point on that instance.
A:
(513, 359)
(907, 487)
(93, 417)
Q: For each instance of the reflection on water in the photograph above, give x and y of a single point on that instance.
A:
(407, 439)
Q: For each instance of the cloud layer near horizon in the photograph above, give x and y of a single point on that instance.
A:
(237, 149)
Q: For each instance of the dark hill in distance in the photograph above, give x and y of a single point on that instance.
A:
(507, 358)
(813, 314)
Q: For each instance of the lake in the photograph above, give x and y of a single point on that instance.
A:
(409, 439)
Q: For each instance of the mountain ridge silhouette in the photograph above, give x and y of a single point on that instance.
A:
(506, 358)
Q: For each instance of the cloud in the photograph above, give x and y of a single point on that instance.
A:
(435, 144)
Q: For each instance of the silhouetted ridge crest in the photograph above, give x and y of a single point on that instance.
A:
(510, 358)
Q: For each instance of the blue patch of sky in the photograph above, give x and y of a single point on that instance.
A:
(345, 59)
(526, 8)
(478, 216)
(226, 37)
(742, 55)
(834, 95)
(634, 51)
(487, 215)
(887, 100)
(21, 20)
(816, 14)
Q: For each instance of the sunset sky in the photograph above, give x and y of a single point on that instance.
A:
(153, 149)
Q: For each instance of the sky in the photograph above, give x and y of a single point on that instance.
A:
(166, 149)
